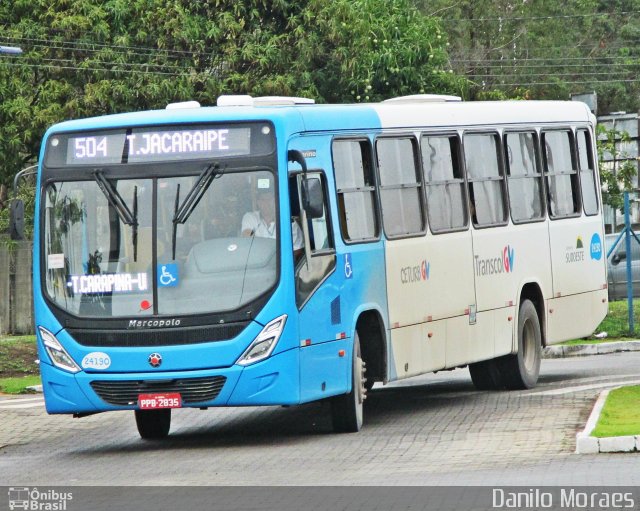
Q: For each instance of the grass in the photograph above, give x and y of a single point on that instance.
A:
(18, 367)
(616, 323)
(620, 415)
(19, 384)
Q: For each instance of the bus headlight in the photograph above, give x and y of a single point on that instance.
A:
(59, 357)
(264, 343)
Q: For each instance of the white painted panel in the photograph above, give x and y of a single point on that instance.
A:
(577, 264)
(506, 258)
(576, 316)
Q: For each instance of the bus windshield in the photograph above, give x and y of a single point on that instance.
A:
(158, 246)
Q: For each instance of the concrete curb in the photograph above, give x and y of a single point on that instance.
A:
(582, 350)
(587, 444)
(35, 388)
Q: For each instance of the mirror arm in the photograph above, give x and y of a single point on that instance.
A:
(33, 169)
(295, 156)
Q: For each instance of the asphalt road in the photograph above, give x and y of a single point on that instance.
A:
(431, 430)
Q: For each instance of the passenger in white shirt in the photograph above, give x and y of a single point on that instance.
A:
(262, 223)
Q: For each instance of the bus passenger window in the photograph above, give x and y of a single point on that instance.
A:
(524, 177)
(446, 200)
(561, 174)
(356, 189)
(587, 173)
(486, 184)
(400, 184)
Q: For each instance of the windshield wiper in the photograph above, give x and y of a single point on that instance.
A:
(183, 211)
(117, 202)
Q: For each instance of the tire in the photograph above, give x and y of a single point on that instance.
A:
(153, 424)
(347, 411)
(486, 375)
(521, 371)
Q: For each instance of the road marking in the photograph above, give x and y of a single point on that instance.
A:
(581, 388)
(15, 404)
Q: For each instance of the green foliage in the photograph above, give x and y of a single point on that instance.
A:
(548, 49)
(615, 178)
(94, 57)
(26, 193)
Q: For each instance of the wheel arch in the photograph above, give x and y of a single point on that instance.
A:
(371, 330)
(532, 291)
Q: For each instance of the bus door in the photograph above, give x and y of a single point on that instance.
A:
(496, 251)
(324, 364)
(450, 301)
(429, 278)
(575, 232)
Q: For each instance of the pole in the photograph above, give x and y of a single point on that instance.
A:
(627, 244)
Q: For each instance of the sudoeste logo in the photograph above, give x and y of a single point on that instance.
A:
(596, 247)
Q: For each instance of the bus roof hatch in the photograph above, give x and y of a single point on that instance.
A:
(423, 98)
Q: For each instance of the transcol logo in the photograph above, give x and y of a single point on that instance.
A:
(504, 263)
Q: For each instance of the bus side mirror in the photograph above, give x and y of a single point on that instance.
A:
(313, 197)
(16, 221)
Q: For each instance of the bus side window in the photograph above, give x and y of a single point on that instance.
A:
(400, 186)
(355, 189)
(524, 177)
(587, 173)
(561, 174)
(444, 180)
(484, 175)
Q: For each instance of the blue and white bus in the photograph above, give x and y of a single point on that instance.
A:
(270, 251)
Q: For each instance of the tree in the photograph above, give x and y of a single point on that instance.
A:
(93, 57)
(617, 168)
(545, 49)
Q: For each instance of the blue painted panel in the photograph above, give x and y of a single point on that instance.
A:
(324, 369)
(356, 284)
(358, 281)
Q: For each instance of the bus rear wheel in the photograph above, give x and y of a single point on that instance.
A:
(520, 371)
(486, 375)
(153, 424)
(347, 410)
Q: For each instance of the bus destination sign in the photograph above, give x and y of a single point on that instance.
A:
(140, 145)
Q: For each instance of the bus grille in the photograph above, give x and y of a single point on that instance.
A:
(169, 337)
(192, 390)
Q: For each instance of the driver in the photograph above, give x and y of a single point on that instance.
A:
(262, 223)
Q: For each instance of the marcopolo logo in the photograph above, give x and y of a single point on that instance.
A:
(38, 500)
(417, 273)
(503, 263)
(153, 323)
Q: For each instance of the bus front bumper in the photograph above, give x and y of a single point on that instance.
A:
(274, 381)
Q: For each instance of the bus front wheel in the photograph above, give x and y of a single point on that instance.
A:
(347, 409)
(520, 371)
(153, 424)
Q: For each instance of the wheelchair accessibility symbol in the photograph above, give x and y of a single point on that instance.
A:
(348, 269)
(167, 275)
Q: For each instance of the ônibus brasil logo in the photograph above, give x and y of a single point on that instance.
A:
(492, 265)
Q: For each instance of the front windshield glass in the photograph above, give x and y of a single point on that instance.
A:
(115, 250)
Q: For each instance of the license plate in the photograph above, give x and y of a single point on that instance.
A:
(155, 401)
